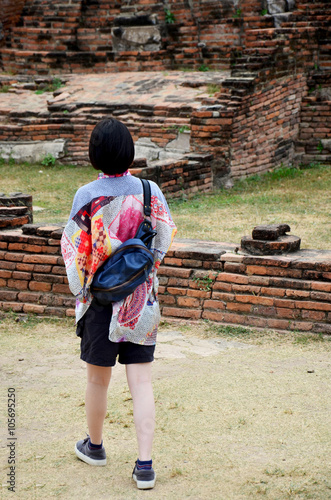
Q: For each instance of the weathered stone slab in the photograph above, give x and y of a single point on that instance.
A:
(283, 244)
(270, 232)
(31, 151)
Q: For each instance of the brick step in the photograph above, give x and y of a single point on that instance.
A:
(42, 39)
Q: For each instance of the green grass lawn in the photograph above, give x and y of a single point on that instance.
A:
(298, 197)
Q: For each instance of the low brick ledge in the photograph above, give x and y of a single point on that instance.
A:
(198, 280)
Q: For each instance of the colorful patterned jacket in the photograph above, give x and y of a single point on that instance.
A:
(105, 213)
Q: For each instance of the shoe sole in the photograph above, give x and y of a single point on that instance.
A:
(144, 485)
(89, 460)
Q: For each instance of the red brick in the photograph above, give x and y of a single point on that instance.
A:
(24, 247)
(8, 295)
(298, 294)
(277, 324)
(322, 287)
(18, 284)
(40, 287)
(227, 297)
(282, 312)
(234, 267)
(21, 275)
(301, 326)
(274, 292)
(174, 272)
(169, 261)
(188, 302)
(5, 274)
(70, 313)
(226, 287)
(234, 306)
(28, 297)
(314, 315)
(42, 268)
(320, 296)
(176, 291)
(55, 311)
(11, 306)
(289, 304)
(232, 278)
(255, 299)
(214, 304)
(14, 257)
(24, 267)
(56, 270)
(3, 245)
(192, 263)
(58, 288)
(213, 315)
(199, 293)
(48, 278)
(313, 306)
(181, 313)
(32, 308)
(7, 265)
(40, 259)
(167, 299)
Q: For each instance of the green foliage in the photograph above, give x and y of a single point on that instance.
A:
(203, 283)
(203, 68)
(320, 147)
(264, 12)
(4, 89)
(212, 88)
(169, 17)
(238, 13)
(48, 161)
(50, 87)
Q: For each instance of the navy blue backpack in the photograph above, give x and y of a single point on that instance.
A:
(130, 264)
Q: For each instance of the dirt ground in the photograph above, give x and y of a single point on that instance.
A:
(238, 416)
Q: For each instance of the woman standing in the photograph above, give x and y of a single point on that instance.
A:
(105, 213)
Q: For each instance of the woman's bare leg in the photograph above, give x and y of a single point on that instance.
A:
(98, 378)
(139, 376)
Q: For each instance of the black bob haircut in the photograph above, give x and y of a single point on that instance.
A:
(111, 147)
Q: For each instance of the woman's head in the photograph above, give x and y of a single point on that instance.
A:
(111, 147)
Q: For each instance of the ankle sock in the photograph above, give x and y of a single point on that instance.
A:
(94, 446)
(144, 464)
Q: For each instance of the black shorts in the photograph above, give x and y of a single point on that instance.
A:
(97, 349)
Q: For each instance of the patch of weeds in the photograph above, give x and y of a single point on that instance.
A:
(203, 68)
(229, 330)
(212, 88)
(176, 472)
(2, 161)
(169, 17)
(49, 160)
(180, 128)
(11, 161)
(50, 87)
(238, 13)
(4, 89)
(203, 283)
(65, 111)
(320, 147)
(275, 472)
(264, 12)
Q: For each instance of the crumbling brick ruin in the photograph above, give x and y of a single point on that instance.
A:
(212, 91)
(269, 88)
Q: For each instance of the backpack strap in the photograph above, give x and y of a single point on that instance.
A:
(147, 197)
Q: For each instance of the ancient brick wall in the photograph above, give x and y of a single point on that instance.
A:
(198, 280)
(10, 13)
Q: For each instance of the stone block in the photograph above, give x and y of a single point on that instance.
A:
(32, 151)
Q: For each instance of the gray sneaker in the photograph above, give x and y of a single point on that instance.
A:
(91, 457)
(145, 479)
